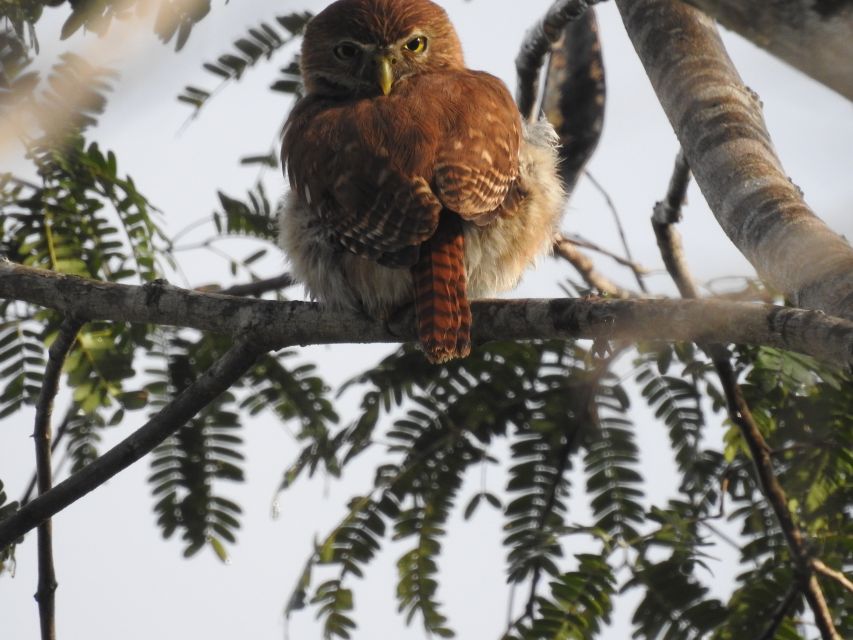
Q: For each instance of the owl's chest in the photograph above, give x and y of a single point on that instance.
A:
(403, 132)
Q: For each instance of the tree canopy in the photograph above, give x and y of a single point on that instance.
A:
(90, 323)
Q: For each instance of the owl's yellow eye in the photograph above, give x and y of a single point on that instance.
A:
(416, 45)
(346, 51)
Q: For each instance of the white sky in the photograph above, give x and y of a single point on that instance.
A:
(117, 578)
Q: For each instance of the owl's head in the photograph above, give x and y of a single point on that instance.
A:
(364, 47)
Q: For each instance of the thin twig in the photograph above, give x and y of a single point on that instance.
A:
(567, 250)
(829, 572)
(188, 229)
(259, 287)
(738, 409)
(46, 592)
(537, 42)
(780, 613)
(569, 446)
(224, 372)
(740, 414)
(719, 533)
(668, 210)
(584, 243)
(61, 430)
(623, 238)
(24, 183)
(666, 213)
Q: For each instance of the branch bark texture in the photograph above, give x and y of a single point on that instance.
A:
(719, 123)
(537, 43)
(815, 36)
(574, 96)
(46, 590)
(281, 324)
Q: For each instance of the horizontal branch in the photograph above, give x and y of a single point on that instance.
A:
(281, 324)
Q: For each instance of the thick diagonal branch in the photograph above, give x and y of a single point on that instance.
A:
(815, 36)
(46, 591)
(719, 123)
(224, 372)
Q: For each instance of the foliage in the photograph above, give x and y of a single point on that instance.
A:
(175, 19)
(554, 409)
(81, 216)
(540, 412)
(260, 42)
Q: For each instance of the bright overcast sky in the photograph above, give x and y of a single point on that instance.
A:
(117, 578)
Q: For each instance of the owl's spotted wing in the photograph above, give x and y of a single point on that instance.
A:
(346, 176)
(477, 164)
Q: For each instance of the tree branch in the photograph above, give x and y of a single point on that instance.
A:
(566, 249)
(740, 414)
(617, 219)
(815, 36)
(579, 241)
(60, 433)
(46, 591)
(195, 397)
(257, 288)
(721, 129)
(780, 613)
(665, 214)
(298, 323)
(829, 572)
(574, 96)
(537, 42)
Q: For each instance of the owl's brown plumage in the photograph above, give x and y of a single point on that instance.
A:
(412, 177)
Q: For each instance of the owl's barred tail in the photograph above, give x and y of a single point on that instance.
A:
(441, 302)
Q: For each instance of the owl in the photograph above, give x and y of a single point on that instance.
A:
(413, 179)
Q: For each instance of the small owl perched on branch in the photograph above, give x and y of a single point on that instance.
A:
(413, 178)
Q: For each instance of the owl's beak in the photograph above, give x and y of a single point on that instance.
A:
(384, 73)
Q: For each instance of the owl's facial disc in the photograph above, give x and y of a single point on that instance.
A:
(379, 65)
(342, 42)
